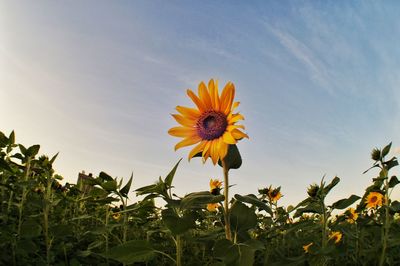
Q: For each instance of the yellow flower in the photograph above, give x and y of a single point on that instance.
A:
(212, 207)
(335, 236)
(211, 124)
(374, 199)
(307, 247)
(352, 215)
(215, 186)
(116, 216)
(274, 194)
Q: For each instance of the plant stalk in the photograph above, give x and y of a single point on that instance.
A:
(228, 234)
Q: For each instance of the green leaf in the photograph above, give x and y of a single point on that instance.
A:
(313, 207)
(344, 203)
(333, 183)
(131, 252)
(395, 206)
(242, 217)
(170, 176)
(110, 185)
(178, 225)
(391, 163)
(22, 149)
(4, 165)
(200, 199)
(32, 151)
(11, 138)
(252, 199)
(105, 177)
(226, 251)
(393, 181)
(53, 158)
(233, 160)
(125, 190)
(386, 150)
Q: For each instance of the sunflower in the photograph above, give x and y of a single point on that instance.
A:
(116, 216)
(211, 125)
(212, 207)
(215, 186)
(374, 199)
(336, 236)
(274, 194)
(307, 247)
(352, 215)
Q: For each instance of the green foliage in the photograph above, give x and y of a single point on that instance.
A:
(45, 221)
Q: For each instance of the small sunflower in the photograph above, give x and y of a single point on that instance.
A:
(215, 186)
(374, 199)
(336, 236)
(211, 124)
(274, 194)
(116, 216)
(307, 247)
(212, 207)
(352, 215)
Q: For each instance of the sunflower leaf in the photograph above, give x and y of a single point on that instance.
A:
(233, 159)
(344, 203)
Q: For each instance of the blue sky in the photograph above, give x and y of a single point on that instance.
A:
(97, 81)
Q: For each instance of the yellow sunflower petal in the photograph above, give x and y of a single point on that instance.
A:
(232, 127)
(214, 151)
(237, 134)
(205, 96)
(187, 142)
(184, 121)
(223, 149)
(235, 118)
(213, 87)
(227, 98)
(235, 105)
(188, 112)
(199, 103)
(229, 138)
(182, 131)
(197, 149)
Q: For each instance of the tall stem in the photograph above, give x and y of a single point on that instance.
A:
(178, 244)
(385, 228)
(226, 202)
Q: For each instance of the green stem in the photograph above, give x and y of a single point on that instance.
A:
(178, 244)
(385, 228)
(228, 234)
(24, 193)
(324, 218)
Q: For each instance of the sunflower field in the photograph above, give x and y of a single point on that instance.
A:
(45, 221)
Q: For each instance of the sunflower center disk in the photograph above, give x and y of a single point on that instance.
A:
(211, 125)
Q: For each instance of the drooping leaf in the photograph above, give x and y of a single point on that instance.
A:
(200, 199)
(109, 185)
(226, 251)
(252, 199)
(344, 203)
(105, 177)
(233, 159)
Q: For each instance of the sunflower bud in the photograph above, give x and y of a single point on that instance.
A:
(312, 191)
(376, 154)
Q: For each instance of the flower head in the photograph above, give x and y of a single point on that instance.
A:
(274, 194)
(212, 125)
(212, 207)
(374, 199)
(312, 191)
(307, 247)
(352, 215)
(116, 216)
(335, 236)
(215, 186)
